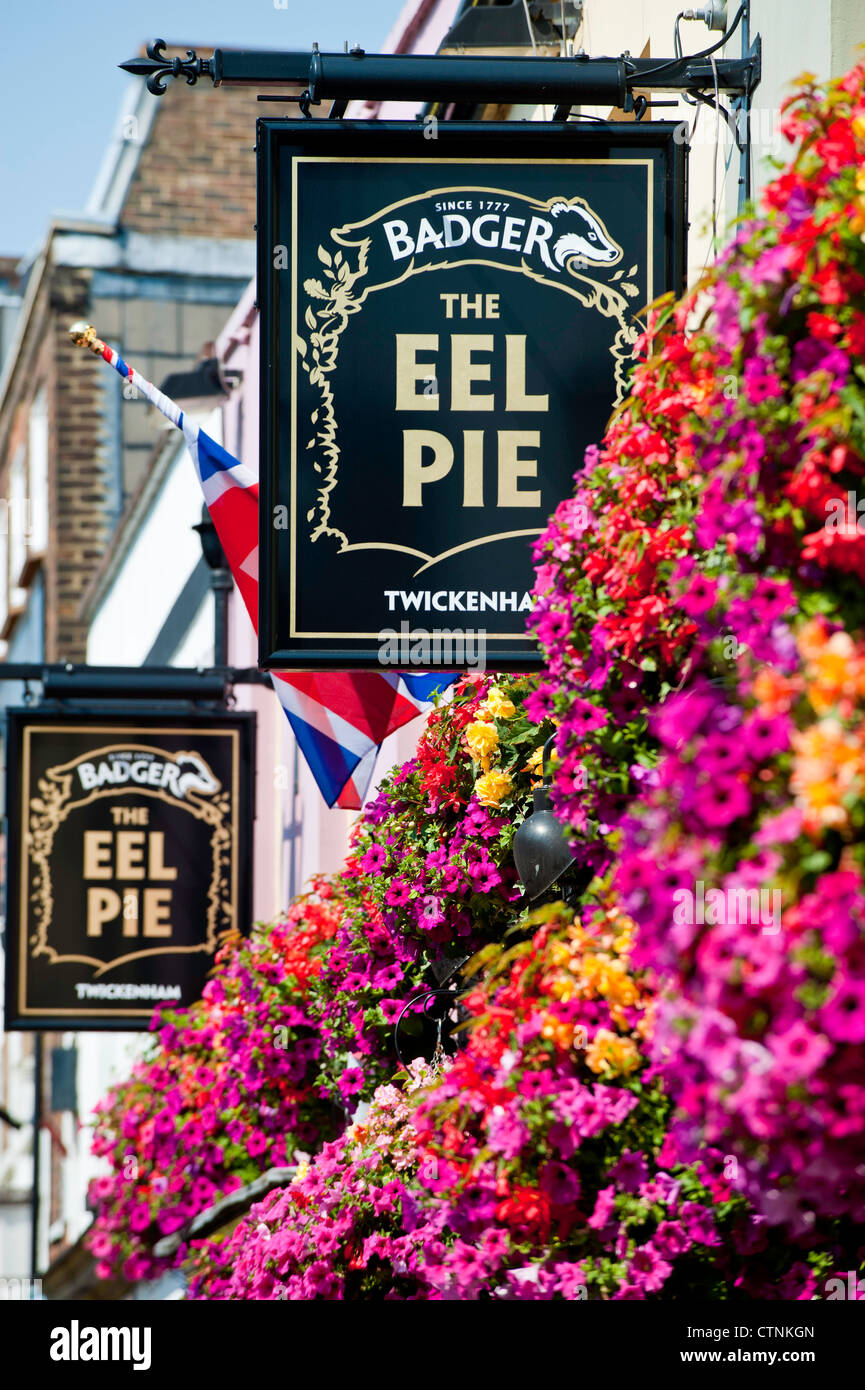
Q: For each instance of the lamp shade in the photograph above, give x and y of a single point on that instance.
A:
(541, 849)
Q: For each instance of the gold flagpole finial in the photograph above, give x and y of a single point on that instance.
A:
(83, 334)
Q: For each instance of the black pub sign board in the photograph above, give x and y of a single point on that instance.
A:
(448, 315)
(128, 858)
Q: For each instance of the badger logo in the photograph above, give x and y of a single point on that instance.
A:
(579, 233)
(181, 774)
(200, 779)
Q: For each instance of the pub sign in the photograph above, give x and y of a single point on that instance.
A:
(448, 316)
(128, 850)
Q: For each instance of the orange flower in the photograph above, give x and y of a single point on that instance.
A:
(774, 693)
(828, 765)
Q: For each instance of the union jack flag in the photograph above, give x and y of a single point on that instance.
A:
(340, 719)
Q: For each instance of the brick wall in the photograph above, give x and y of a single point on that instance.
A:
(79, 521)
(196, 174)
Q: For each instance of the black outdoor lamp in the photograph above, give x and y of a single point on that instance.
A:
(211, 546)
(541, 849)
(220, 583)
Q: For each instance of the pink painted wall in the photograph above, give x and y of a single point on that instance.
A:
(420, 28)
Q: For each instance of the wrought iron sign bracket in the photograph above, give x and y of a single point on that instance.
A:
(560, 82)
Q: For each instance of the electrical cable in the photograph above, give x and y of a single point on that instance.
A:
(704, 53)
(715, 154)
(680, 54)
(531, 30)
(704, 100)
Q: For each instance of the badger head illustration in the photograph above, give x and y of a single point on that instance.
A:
(199, 779)
(579, 234)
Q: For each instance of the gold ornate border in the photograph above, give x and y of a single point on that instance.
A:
(44, 814)
(340, 300)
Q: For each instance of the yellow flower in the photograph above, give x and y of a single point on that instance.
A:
(482, 740)
(498, 703)
(493, 787)
(302, 1170)
(534, 763)
(610, 1055)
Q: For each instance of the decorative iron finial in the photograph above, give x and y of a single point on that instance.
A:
(157, 66)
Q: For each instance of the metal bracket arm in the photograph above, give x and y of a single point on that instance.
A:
(407, 77)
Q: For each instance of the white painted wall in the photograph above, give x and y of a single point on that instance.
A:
(159, 561)
(818, 36)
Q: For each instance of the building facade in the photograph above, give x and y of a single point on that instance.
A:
(156, 261)
(107, 567)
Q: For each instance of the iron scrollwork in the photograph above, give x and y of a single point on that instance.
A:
(157, 66)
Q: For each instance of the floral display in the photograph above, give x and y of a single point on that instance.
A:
(700, 601)
(430, 876)
(718, 504)
(538, 1165)
(763, 1020)
(225, 1092)
(337, 1231)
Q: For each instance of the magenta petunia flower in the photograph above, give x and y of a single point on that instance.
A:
(799, 1051)
(391, 1009)
(721, 753)
(484, 876)
(699, 597)
(388, 978)
(648, 1269)
(397, 893)
(374, 859)
(351, 1081)
(765, 736)
(582, 718)
(629, 1172)
(431, 914)
(843, 1015)
(101, 1244)
(561, 1183)
(722, 801)
(670, 1239)
(604, 1209)
(139, 1218)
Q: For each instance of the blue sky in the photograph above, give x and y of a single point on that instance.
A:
(61, 87)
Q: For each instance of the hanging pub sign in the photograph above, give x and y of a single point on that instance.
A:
(448, 316)
(128, 848)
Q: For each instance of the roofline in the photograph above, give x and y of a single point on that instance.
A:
(121, 157)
